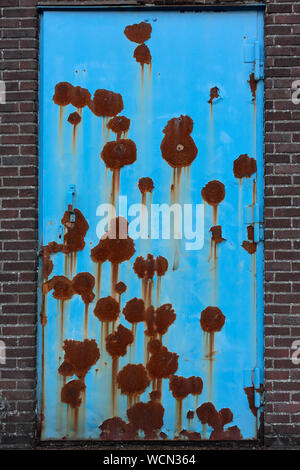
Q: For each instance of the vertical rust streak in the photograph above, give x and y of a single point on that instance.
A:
(211, 341)
(158, 288)
(74, 139)
(98, 280)
(178, 416)
(215, 214)
(114, 278)
(43, 378)
(114, 391)
(61, 320)
(60, 129)
(86, 320)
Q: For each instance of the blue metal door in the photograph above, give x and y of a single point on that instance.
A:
(151, 196)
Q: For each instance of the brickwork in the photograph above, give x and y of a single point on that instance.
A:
(19, 217)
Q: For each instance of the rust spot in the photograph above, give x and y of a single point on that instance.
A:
(191, 435)
(231, 434)
(134, 310)
(146, 185)
(82, 355)
(161, 265)
(253, 85)
(76, 231)
(177, 147)
(212, 319)
(116, 429)
(190, 414)
(181, 387)
(83, 284)
(47, 251)
(117, 342)
(216, 234)
(213, 192)
(63, 93)
(133, 379)
(147, 417)
(214, 93)
(74, 118)
(146, 268)
(71, 393)
(208, 414)
(66, 369)
(139, 33)
(120, 288)
(250, 392)
(244, 166)
(62, 288)
(119, 124)
(250, 246)
(115, 245)
(142, 54)
(163, 435)
(162, 363)
(158, 321)
(155, 395)
(81, 97)
(106, 103)
(107, 309)
(154, 345)
(117, 154)
(225, 416)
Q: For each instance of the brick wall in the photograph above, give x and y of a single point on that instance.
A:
(18, 218)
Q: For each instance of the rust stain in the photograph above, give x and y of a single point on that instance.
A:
(178, 147)
(244, 166)
(212, 320)
(74, 119)
(80, 98)
(71, 393)
(142, 55)
(250, 245)
(107, 309)
(253, 85)
(213, 193)
(138, 33)
(119, 125)
(146, 185)
(134, 310)
(117, 154)
(63, 93)
(162, 363)
(133, 380)
(66, 369)
(158, 321)
(106, 103)
(214, 94)
(147, 417)
(82, 355)
(116, 429)
(117, 342)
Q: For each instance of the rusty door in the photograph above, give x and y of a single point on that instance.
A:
(151, 195)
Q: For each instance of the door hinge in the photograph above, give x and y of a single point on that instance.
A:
(253, 54)
(253, 215)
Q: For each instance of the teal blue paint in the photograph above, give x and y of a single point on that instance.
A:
(191, 53)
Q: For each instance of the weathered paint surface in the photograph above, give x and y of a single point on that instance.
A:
(141, 339)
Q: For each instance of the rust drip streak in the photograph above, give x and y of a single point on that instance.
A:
(114, 391)
(114, 278)
(158, 289)
(86, 320)
(211, 341)
(178, 416)
(98, 280)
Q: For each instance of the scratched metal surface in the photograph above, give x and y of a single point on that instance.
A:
(191, 53)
